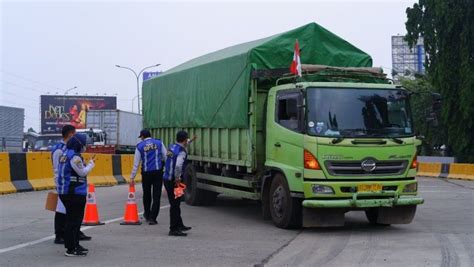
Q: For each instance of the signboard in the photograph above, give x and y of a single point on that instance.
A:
(59, 110)
(150, 75)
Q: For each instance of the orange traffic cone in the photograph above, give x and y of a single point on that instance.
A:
(91, 216)
(131, 209)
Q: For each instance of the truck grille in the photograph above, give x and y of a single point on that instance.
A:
(354, 168)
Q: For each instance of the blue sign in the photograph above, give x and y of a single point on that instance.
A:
(150, 75)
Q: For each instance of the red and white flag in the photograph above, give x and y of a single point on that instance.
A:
(295, 67)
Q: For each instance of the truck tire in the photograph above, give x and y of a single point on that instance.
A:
(286, 212)
(193, 195)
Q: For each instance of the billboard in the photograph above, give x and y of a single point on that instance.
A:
(59, 110)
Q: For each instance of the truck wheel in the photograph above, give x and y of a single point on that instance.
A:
(285, 210)
(192, 195)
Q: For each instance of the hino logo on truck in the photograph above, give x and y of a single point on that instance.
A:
(368, 165)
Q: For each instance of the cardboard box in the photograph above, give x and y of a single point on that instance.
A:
(51, 201)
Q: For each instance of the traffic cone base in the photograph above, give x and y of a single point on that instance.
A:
(91, 214)
(131, 209)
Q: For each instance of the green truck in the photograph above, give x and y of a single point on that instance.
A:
(310, 148)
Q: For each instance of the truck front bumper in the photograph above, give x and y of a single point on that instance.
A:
(387, 199)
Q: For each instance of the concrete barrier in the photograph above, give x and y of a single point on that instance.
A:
(6, 184)
(127, 166)
(461, 171)
(102, 173)
(20, 172)
(443, 170)
(429, 169)
(39, 170)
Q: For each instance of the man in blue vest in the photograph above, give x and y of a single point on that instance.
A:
(175, 166)
(152, 153)
(60, 216)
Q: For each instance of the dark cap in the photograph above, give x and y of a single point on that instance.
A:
(181, 136)
(144, 134)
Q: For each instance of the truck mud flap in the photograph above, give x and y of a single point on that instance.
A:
(396, 214)
(323, 217)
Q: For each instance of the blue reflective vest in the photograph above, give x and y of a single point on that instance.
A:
(171, 161)
(150, 152)
(69, 182)
(57, 146)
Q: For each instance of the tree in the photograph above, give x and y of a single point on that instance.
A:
(421, 103)
(31, 130)
(447, 27)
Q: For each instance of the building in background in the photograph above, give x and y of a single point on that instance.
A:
(59, 110)
(407, 61)
(12, 121)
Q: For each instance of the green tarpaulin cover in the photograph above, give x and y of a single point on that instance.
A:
(212, 90)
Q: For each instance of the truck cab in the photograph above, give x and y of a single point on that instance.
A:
(334, 147)
(94, 136)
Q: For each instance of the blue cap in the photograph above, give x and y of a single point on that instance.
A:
(144, 134)
(76, 142)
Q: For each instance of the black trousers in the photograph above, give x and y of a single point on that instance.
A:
(59, 224)
(75, 205)
(175, 210)
(152, 183)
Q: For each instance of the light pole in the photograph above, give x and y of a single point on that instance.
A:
(133, 100)
(138, 80)
(70, 89)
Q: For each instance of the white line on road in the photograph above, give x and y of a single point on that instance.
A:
(3, 250)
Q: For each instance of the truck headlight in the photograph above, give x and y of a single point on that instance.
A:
(322, 189)
(410, 188)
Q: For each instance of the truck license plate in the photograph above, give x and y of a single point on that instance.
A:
(369, 188)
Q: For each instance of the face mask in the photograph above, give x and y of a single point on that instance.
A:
(83, 149)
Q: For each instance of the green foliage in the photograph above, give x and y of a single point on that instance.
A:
(421, 104)
(31, 130)
(447, 27)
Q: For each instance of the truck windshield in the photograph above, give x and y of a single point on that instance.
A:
(336, 112)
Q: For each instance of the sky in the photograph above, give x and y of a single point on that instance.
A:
(48, 47)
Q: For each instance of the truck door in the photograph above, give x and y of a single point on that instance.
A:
(285, 128)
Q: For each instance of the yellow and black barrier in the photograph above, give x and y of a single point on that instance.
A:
(446, 170)
(20, 172)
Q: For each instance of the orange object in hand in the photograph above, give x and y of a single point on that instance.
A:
(179, 190)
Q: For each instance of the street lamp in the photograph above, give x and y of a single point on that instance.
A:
(133, 101)
(70, 89)
(138, 80)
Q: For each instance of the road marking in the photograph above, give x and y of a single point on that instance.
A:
(31, 243)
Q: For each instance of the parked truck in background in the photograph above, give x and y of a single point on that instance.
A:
(338, 139)
(114, 128)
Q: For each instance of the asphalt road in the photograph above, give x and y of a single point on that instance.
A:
(232, 233)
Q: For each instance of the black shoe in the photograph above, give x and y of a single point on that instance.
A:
(75, 253)
(83, 237)
(185, 228)
(59, 240)
(81, 248)
(177, 233)
(152, 222)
